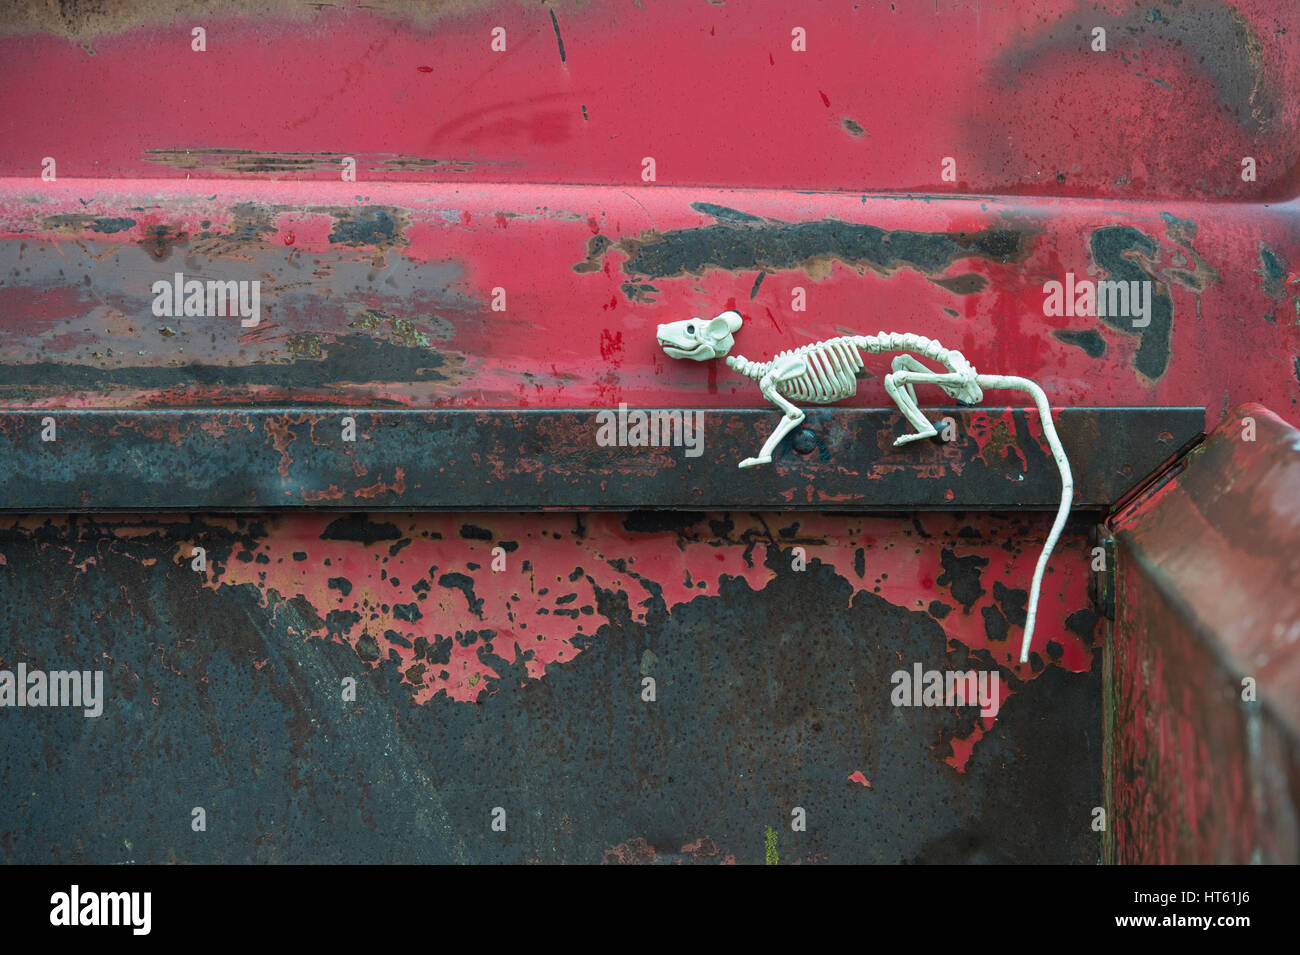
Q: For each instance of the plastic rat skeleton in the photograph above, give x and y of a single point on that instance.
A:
(826, 371)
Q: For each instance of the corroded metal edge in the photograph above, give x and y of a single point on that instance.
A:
(221, 459)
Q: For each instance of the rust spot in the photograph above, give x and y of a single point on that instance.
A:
(81, 222)
(1273, 268)
(1216, 37)
(159, 240)
(250, 161)
(967, 284)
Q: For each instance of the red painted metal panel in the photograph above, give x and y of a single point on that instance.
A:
(716, 93)
(1203, 720)
(384, 293)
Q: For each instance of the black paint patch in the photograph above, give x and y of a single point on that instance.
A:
(1083, 623)
(1093, 345)
(341, 621)
(351, 358)
(1020, 743)
(341, 584)
(639, 292)
(408, 612)
(995, 625)
(359, 528)
(853, 127)
(110, 225)
(860, 562)
(1013, 601)
(774, 245)
(368, 225)
(660, 522)
(596, 247)
(558, 39)
(757, 282)
(475, 533)
(938, 609)
(367, 648)
(1114, 249)
(301, 608)
(74, 222)
(722, 528)
(1274, 270)
(466, 586)
(967, 284)
(723, 214)
(962, 577)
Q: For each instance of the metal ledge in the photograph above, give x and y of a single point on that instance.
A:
(241, 459)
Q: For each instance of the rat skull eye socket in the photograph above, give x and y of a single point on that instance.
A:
(690, 329)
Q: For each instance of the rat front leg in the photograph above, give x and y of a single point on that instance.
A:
(793, 416)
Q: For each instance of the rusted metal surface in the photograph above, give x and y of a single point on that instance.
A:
(522, 460)
(502, 249)
(1203, 668)
(521, 688)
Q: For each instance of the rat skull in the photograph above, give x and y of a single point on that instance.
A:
(699, 340)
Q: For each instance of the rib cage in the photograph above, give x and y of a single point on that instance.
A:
(832, 365)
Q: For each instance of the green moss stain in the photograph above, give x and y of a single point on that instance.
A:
(769, 850)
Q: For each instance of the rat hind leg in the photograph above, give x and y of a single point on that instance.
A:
(898, 384)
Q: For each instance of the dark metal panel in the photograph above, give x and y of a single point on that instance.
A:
(520, 686)
(527, 459)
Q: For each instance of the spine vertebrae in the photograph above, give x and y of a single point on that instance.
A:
(917, 344)
(750, 369)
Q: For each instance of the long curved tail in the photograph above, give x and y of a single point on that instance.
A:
(1067, 489)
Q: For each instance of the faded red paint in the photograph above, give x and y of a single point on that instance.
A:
(1038, 110)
